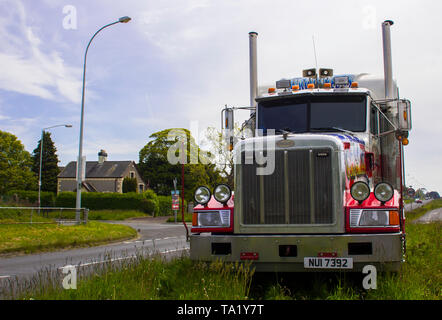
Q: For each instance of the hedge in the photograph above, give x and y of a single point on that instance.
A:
(146, 202)
(47, 199)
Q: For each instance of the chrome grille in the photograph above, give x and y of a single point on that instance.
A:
(298, 192)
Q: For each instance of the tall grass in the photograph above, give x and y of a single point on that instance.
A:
(147, 277)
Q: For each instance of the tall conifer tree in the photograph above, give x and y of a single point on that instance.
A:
(50, 169)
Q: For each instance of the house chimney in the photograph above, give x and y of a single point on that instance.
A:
(102, 156)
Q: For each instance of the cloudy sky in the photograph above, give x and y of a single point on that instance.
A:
(179, 62)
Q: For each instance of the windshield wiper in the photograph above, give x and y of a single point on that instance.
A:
(286, 130)
(332, 128)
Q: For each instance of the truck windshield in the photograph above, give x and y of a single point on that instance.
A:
(313, 114)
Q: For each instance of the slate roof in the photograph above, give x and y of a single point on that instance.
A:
(107, 169)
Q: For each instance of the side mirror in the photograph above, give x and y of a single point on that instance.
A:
(228, 126)
(404, 115)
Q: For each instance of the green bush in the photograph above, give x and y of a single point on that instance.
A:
(147, 203)
(151, 204)
(47, 198)
(165, 203)
(129, 185)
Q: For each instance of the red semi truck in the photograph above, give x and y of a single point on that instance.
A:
(319, 184)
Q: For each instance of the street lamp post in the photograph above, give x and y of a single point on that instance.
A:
(124, 19)
(41, 156)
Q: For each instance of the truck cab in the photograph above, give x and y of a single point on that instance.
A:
(317, 183)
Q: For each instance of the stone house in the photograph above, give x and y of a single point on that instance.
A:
(101, 175)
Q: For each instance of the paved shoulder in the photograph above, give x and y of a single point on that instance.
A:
(431, 216)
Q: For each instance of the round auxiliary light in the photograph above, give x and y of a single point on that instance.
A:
(383, 191)
(360, 191)
(222, 193)
(202, 195)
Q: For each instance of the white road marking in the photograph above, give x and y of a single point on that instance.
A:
(97, 262)
(4, 277)
(117, 259)
(174, 250)
(158, 239)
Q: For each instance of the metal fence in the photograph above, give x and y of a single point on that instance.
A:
(41, 215)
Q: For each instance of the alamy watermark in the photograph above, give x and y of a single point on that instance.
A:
(369, 19)
(70, 280)
(259, 151)
(370, 280)
(70, 21)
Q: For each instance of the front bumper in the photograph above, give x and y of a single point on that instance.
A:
(385, 251)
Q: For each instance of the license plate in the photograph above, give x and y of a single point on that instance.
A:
(328, 263)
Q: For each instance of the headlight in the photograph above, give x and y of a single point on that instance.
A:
(360, 191)
(222, 193)
(374, 218)
(202, 195)
(214, 218)
(383, 191)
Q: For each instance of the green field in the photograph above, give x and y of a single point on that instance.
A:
(146, 278)
(30, 238)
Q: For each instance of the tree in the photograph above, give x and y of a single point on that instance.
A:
(50, 169)
(15, 165)
(223, 156)
(129, 185)
(160, 162)
(217, 144)
(434, 195)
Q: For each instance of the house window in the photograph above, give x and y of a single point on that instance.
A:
(132, 174)
(141, 188)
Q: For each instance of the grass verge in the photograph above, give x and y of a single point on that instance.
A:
(187, 218)
(30, 238)
(115, 214)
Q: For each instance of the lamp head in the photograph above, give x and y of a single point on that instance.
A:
(124, 19)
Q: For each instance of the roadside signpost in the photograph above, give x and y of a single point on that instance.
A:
(175, 199)
(411, 193)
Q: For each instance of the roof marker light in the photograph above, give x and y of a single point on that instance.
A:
(271, 90)
(295, 87)
(354, 84)
(342, 81)
(327, 85)
(311, 86)
(283, 84)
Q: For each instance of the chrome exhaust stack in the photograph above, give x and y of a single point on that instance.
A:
(253, 69)
(388, 68)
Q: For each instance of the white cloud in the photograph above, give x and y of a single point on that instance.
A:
(26, 66)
